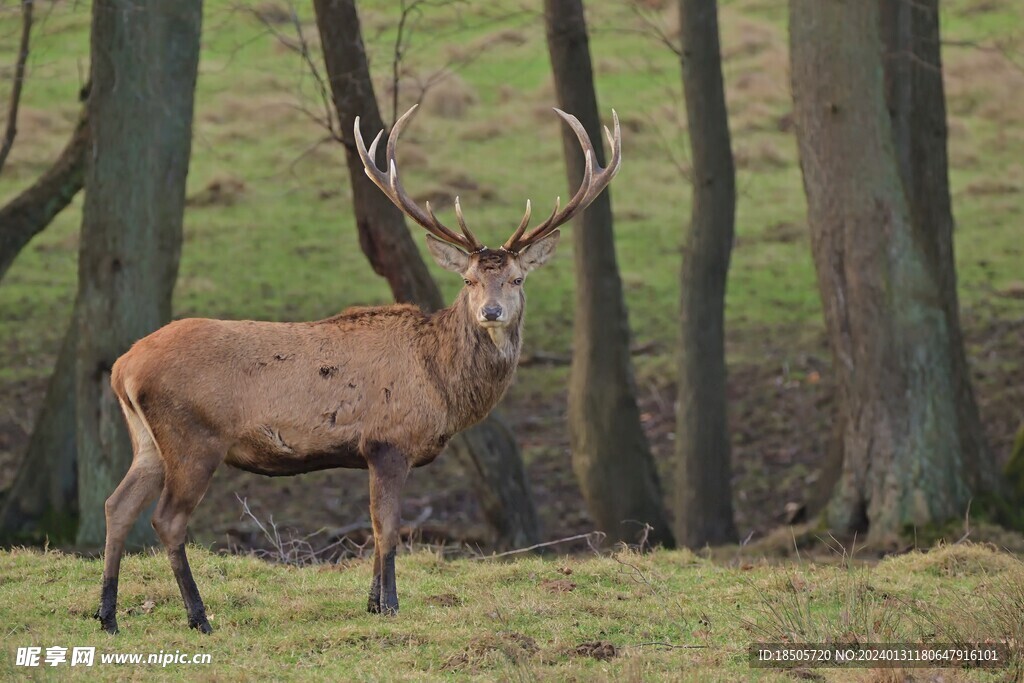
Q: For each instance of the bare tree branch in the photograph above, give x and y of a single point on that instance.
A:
(654, 28)
(19, 80)
(300, 46)
(30, 212)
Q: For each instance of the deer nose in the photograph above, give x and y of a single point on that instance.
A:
(491, 312)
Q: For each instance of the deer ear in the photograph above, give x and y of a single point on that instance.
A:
(538, 253)
(448, 256)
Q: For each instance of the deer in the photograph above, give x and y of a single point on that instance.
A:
(380, 388)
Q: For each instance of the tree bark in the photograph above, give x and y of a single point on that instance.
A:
(917, 107)
(144, 61)
(903, 465)
(30, 212)
(704, 476)
(43, 502)
(44, 499)
(487, 452)
(610, 452)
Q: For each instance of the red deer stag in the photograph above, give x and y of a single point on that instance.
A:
(378, 388)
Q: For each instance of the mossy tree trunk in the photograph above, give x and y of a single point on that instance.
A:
(610, 453)
(144, 61)
(488, 451)
(917, 107)
(704, 475)
(43, 502)
(902, 460)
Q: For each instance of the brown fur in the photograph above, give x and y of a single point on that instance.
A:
(380, 388)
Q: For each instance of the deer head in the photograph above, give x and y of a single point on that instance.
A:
(493, 277)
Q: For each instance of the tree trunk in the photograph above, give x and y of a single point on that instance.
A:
(610, 453)
(26, 215)
(903, 465)
(488, 452)
(43, 502)
(44, 499)
(917, 107)
(144, 61)
(704, 476)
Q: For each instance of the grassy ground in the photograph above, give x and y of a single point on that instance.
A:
(661, 616)
(268, 229)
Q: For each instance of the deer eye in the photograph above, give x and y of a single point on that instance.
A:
(518, 281)
(467, 281)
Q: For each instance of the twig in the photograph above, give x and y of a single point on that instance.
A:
(577, 537)
(671, 646)
(967, 523)
(654, 29)
(19, 81)
(300, 46)
(411, 14)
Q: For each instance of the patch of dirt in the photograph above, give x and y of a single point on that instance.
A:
(558, 586)
(490, 649)
(600, 649)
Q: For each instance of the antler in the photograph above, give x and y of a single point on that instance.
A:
(392, 187)
(595, 179)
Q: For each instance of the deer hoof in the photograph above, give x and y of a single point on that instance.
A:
(200, 624)
(107, 623)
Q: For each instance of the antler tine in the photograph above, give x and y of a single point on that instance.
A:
(391, 185)
(511, 241)
(476, 244)
(595, 180)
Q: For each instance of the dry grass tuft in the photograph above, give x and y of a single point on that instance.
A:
(743, 37)
(985, 83)
(260, 111)
(993, 613)
(959, 559)
(762, 155)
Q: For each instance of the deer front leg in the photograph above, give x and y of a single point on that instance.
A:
(388, 470)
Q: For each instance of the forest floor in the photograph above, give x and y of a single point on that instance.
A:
(666, 615)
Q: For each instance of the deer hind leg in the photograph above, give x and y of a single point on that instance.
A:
(184, 486)
(139, 487)
(373, 604)
(388, 470)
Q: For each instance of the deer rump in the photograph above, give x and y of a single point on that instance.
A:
(289, 398)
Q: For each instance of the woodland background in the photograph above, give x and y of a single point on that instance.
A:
(269, 234)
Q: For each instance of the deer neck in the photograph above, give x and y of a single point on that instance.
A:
(472, 366)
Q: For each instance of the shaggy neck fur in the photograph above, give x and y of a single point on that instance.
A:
(472, 366)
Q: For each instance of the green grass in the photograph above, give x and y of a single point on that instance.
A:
(489, 620)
